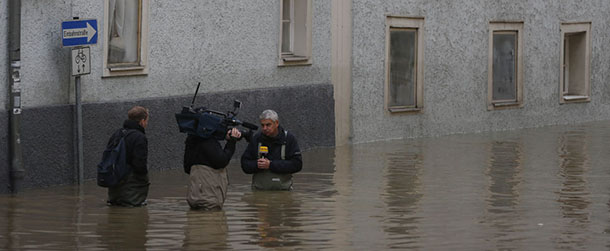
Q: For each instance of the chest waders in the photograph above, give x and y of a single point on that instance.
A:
(267, 180)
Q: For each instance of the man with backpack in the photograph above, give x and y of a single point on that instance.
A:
(272, 156)
(132, 190)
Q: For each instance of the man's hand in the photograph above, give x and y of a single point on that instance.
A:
(263, 163)
(233, 133)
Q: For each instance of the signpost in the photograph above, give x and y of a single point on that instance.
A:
(79, 34)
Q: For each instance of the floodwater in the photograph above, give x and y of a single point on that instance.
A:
(534, 189)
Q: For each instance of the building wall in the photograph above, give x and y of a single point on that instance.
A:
(455, 66)
(48, 135)
(229, 46)
(225, 45)
(4, 164)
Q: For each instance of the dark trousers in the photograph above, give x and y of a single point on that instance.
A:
(132, 191)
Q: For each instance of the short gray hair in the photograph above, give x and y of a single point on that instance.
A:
(269, 114)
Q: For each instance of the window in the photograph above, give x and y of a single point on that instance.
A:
(295, 32)
(575, 52)
(125, 38)
(404, 64)
(505, 71)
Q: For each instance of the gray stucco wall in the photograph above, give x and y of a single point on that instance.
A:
(4, 165)
(229, 46)
(48, 135)
(3, 54)
(45, 71)
(455, 65)
(226, 45)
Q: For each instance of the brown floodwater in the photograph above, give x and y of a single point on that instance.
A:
(535, 189)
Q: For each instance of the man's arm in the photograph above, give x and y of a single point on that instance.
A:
(293, 162)
(249, 158)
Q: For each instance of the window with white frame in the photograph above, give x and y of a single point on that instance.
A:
(574, 83)
(505, 84)
(295, 32)
(404, 64)
(125, 38)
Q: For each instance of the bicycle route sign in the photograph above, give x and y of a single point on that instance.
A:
(81, 61)
(79, 32)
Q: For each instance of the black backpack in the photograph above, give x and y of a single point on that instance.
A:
(113, 168)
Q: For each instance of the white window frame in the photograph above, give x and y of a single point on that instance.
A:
(505, 27)
(141, 68)
(569, 29)
(300, 35)
(417, 24)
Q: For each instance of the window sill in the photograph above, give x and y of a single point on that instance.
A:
(399, 109)
(129, 68)
(294, 60)
(125, 71)
(504, 105)
(575, 98)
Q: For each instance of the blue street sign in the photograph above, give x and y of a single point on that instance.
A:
(79, 32)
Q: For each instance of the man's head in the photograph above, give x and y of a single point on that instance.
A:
(269, 123)
(138, 114)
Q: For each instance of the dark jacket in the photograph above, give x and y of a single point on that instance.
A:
(133, 190)
(208, 152)
(136, 146)
(292, 162)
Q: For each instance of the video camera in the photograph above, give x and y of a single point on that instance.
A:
(206, 123)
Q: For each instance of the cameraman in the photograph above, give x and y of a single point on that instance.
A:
(205, 161)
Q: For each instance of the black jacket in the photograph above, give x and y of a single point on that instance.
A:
(292, 162)
(136, 146)
(209, 152)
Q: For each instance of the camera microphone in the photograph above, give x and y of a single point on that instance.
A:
(262, 152)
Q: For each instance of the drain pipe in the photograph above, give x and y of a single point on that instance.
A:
(17, 171)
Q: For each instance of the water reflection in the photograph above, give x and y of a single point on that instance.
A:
(205, 230)
(10, 240)
(276, 215)
(504, 173)
(574, 196)
(402, 196)
(538, 189)
(123, 228)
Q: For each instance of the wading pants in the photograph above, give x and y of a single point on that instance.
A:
(207, 187)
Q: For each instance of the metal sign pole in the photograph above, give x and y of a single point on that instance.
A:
(79, 129)
(79, 33)
(17, 170)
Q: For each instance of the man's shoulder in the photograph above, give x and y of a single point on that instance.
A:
(290, 136)
(134, 135)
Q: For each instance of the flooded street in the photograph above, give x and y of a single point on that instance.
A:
(536, 189)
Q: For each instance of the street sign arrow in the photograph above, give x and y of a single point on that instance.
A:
(79, 32)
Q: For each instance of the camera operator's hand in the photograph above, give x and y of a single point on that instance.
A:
(263, 163)
(233, 134)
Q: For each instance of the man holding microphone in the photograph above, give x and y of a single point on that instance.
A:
(272, 156)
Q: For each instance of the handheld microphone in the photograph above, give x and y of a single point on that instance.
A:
(262, 152)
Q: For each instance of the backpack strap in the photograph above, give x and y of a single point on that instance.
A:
(125, 132)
